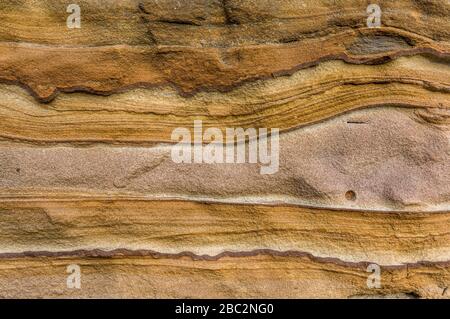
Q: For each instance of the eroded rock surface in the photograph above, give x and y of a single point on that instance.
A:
(87, 176)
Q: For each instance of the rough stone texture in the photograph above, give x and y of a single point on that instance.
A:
(86, 175)
(391, 158)
(150, 115)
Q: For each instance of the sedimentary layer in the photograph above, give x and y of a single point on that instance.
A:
(253, 275)
(151, 115)
(387, 158)
(205, 46)
(64, 227)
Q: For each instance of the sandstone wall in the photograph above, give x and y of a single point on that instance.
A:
(87, 177)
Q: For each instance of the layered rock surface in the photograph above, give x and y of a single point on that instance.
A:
(87, 178)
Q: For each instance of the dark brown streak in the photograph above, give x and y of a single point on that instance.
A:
(122, 252)
(374, 60)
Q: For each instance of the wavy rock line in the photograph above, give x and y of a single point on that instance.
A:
(126, 253)
(213, 23)
(45, 71)
(389, 158)
(146, 116)
(387, 238)
(272, 275)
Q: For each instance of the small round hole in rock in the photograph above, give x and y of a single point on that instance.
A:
(350, 195)
(18, 170)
